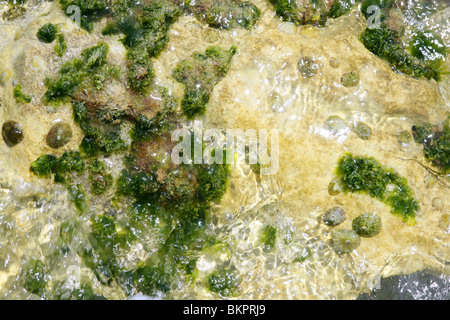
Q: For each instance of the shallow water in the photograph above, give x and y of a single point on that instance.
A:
(263, 90)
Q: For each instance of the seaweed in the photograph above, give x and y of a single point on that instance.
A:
(90, 69)
(436, 143)
(384, 43)
(19, 96)
(312, 12)
(101, 126)
(199, 74)
(145, 34)
(367, 175)
(60, 46)
(225, 14)
(90, 11)
(47, 33)
(341, 7)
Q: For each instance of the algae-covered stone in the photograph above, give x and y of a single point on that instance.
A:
(12, 133)
(364, 174)
(367, 225)
(345, 241)
(334, 216)
(404, 137)
(444, 223)
(200, 73)
(362, 130)
(302, 12)
(59, 135)
(335, 124)
(225, 14)
(350, 79)
(308, 67)
(335, 187)
(47, 33)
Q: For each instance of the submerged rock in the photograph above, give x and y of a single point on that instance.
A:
(308, 67)
(350, 79)
(421, 285)
(362, 130)
(345, 241)
(334, 216)
(59, 135)
(367, 225)
(12, 133)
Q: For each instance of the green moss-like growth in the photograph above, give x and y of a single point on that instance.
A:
(70, 161)
(436, 143)
(151, 280)
(222, 282)
(78, 196)
(145, 29)
(200, 73)
(101, 126)
(90, 70)
(47, 164)
(140, 70)
(366, 175)
(144, 26)
(100, 180)
(90, 11)
(44, 165)
(174, 197)
(138, 184)
(47, 33)
(100, 183)
(96, 166)
(146, 129)
(15, 10)
(19, 96)
(109, 236)
(307, 12)
(212, 182)
(384, 43)
(34, 275)
(60, 46)
(427, 45)
(424, 56)
(60, 291)
(341, 7)
(106, 239)
(184, 187)
(384, 6)
(269, 237)
(226, 14)
(104, 230)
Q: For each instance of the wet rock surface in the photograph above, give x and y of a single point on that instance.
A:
(421, 285)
